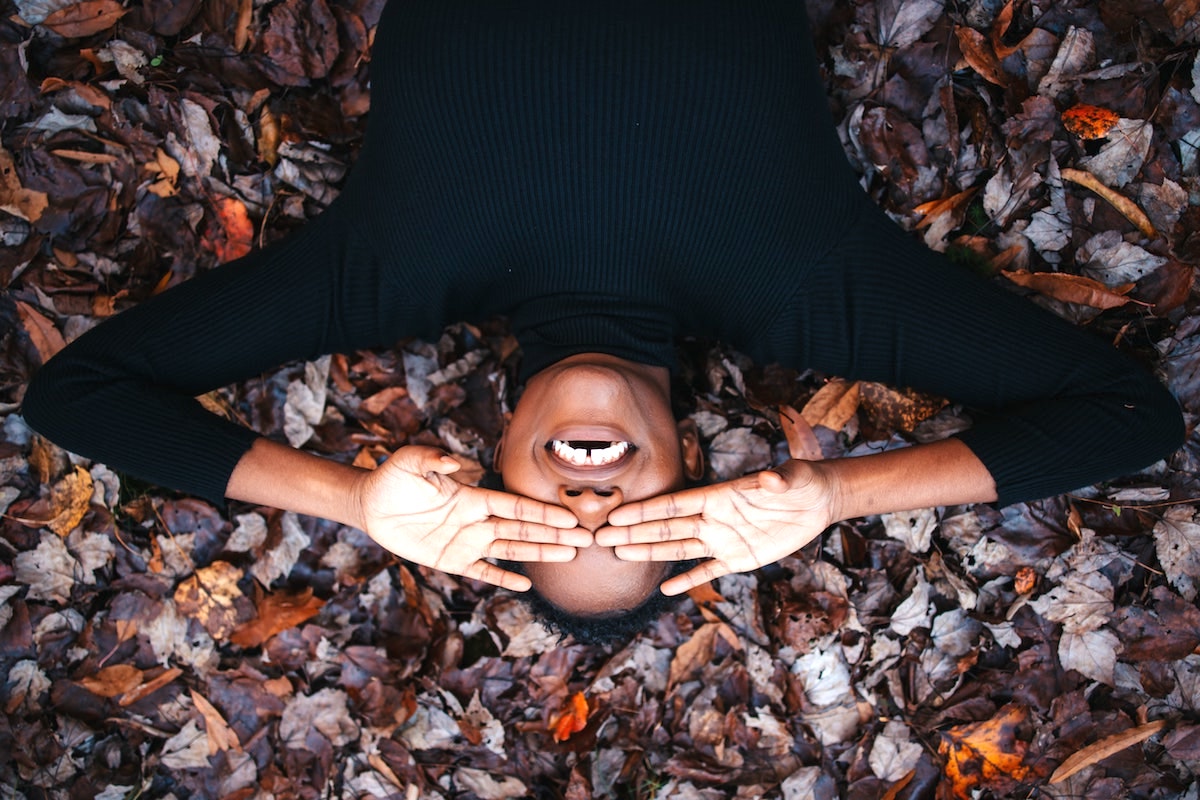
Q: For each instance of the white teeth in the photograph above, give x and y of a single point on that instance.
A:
(593, 457)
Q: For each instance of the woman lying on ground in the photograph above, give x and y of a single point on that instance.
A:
(610, 176)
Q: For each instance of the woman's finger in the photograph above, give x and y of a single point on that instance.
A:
(697, 576)
(519, 507)
(666, 506)
(497, 576)
(536, 532)
(530, 551)
(666, 530)
(679, 550)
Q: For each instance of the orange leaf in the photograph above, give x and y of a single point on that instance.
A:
(112, 681)
(833, 405)
(985, 754)
(571, 719)
(1071, 288)
(150, 687)
(84, 19)
(1089, 122)
(69, 501)
(277, 612)
(231, 235)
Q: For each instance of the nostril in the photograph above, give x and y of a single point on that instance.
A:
(604, 492)
(573, 492)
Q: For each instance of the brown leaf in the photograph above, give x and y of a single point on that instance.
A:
(84, 19)
(210, 596)
(45, 337)
(977, 50)
(833, 405)
(220, 735)
(1071, 288)
(1109, 745)
(113, 681)
(16, 200)
(277, 612)
(149, 687)
(891, 409)
(802, 442)
(1120, 202)
(69, 501)
(696, 652)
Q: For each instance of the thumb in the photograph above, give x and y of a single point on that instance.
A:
(419, 459)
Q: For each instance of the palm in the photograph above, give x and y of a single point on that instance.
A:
(741, 525)
(413, 508)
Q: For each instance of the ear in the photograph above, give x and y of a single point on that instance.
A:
(689, 447)
(498, 451)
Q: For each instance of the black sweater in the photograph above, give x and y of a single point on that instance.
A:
(610, 174)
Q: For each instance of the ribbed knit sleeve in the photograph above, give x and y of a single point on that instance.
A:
(1054, 406)
(123, 393)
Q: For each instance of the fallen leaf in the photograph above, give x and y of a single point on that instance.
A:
(833, 405)
(149, 687)
(801, 441)
(69, 501)
(231, 234)
(1177, 540)
(572, 718)
(985, 755)
(277, 612)
(27, 204)
(1097, 751)
(1089, 122)
(45, 337)
(1072, 288)
(210, 596)
(891, 409)
(84, 19)
(113, 681)
(220, 735)
(1118, 201)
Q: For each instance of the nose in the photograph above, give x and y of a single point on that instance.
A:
(590, 506)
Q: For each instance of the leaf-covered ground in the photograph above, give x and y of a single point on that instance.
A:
(152, 646)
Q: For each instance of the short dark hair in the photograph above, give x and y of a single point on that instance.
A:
(607, 627)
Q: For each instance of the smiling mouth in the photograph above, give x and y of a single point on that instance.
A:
(587, 453)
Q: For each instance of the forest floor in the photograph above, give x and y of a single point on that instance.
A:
(152, 645)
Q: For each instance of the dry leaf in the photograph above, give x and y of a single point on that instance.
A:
(891, 409)
(113, 681)
(833, 405)
(45, 337)
(231, 234)
(802, 442)
(985, 755)
(1118, 201)
(220, 735)
(1102, 749)
(571, 719)
(20, 202)
(1072, 288)
(69, 501)
(210, 597)
(277, 612)
(150, 686)
(84, 19)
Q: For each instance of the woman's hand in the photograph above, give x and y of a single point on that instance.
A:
(740, 524)
(411, 506)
